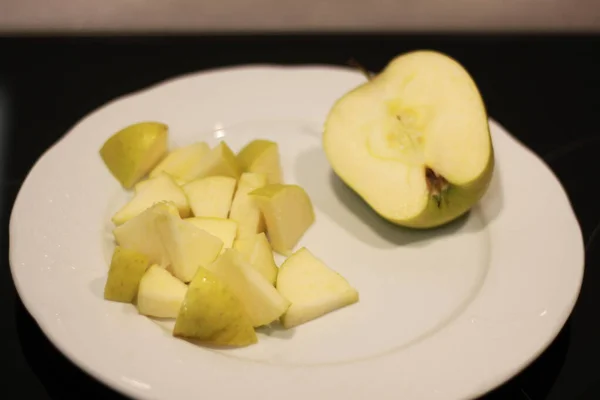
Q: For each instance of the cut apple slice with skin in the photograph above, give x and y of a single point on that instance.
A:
(184, 163)
(260, 299)
(414, 141)
(188, 247)
(160, 294)
(210, 196)
(224, 229)
(313, 288)
(262, 156)
(126, 269)
(258, 252)
(140, 233)
(130, 153)
(288, 213)
(159, 189)
(243, 210)
(212, 314)
(221, 161)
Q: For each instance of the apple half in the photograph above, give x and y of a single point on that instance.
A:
(413, 142)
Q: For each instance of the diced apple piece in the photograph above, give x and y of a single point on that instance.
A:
(188, 247)
(262, 156)
(224, 229)
(288, 213)
(313, 288)
(212, 314)
(126, 269)
(221, 161)
(159, 189)
(140, 233)
(130, 153)
(260, 299)
(183, 164)
(210, 196)
(139, 186)
(160, 294)
(257, 251)
(243, 210)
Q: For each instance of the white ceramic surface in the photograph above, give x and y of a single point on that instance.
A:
(444, 314)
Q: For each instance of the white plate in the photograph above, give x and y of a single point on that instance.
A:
(444, 314)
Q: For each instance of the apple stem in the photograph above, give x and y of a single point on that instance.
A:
(437, 186)
(353, 63)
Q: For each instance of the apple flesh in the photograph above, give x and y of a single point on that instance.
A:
(413, 141)
(212, 314)
(224, 229)
(188, 247)
(262, 302)
(160, 189)
(313, 288)
(210, 196)
(130, 153)
(140, 233)
(288, 213)
(261, 156)
(257, 251)
(221, 161)
(243, 210)
(184, 163)
(160, 294)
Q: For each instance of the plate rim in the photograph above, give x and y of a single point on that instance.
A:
(125, 389)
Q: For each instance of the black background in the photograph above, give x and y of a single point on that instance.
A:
(544, 89)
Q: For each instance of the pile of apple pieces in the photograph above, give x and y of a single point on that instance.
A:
(196, 241)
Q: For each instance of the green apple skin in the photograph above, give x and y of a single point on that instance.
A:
(212, 314)
(132, 152)
(126, 270)
(458, 199)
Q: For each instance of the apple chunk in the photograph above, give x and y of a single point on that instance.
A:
(262, 302)
(262, 156)
(243, 210)
(224, 229)
(130, 153)
(160, 294)
(220, 161)
(413, 141)
(258, 252)
(288, 213)
(212, 314)
(183, 164)
(313, 288)
(159, 189)
(126, 269)
(188, 247)
(210, 196)
(140, 233)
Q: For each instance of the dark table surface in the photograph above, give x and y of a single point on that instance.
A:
(544, 89)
